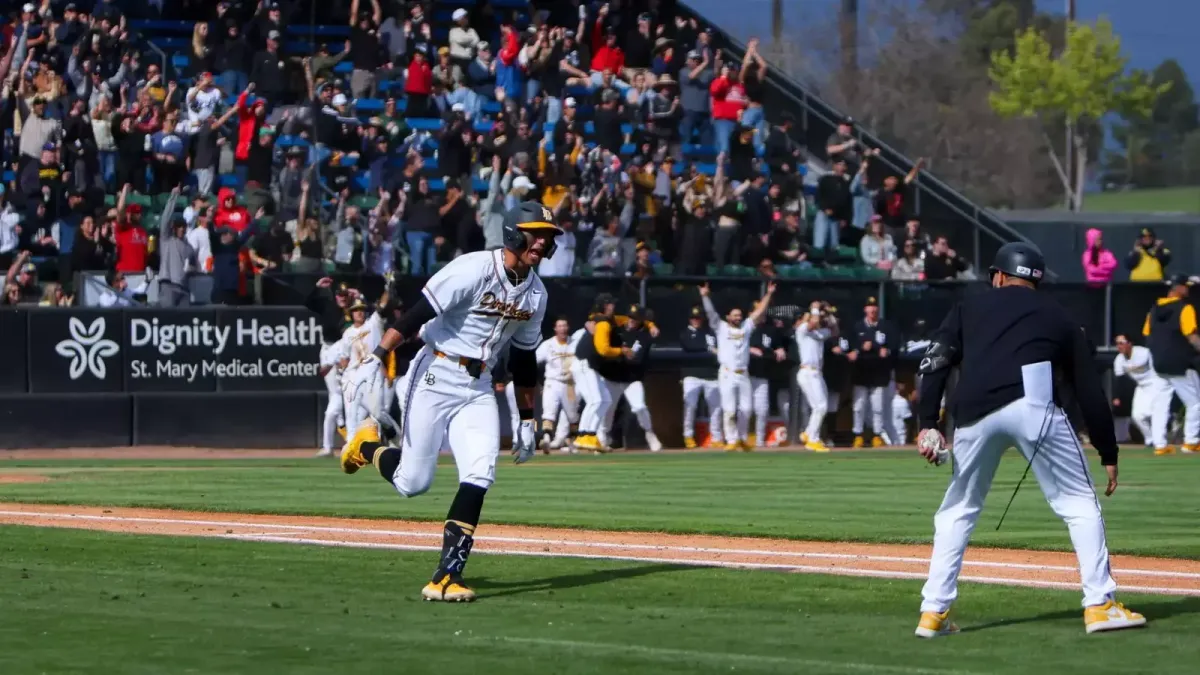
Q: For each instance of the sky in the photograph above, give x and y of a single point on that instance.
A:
(1150, 30)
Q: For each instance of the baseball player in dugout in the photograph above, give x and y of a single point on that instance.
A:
(733, 361)
(700, 378)
(587, 380)
(469, 312)
(330, 309)
(1151, 405)
(1170, 331)
(768, 353)
(814, 329)
(556, 356)
(1015, 347)
(872, 342)
(623, 376)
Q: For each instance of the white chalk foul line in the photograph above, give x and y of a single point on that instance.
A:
(292, 533)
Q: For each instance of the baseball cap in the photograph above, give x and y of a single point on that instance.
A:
(694, 54)
(697, 312)
(634, 312)
(49, 147)
(522, 183)
(29, 8)
(266, 131)
(70, 7)
(570, 102)
(443, 50)
(871, 302)
(459, 14)
(1147, 232)
(29, 268)
(339, 99)
(483, 46)
(1181, 280)
(273, 35)
(458, 107)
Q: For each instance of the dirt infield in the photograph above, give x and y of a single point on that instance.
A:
(993, 566)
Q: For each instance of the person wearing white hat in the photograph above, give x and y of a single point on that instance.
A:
(463, 39)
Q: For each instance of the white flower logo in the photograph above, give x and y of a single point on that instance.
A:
(87, 348)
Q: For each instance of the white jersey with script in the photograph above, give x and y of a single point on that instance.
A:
(360, 341)
(480, 311)
(733, 342)
(556, 357)
(1139, 367)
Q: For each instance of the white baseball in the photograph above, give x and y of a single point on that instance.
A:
(931, 441)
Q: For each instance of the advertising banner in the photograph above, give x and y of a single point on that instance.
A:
(75, 350)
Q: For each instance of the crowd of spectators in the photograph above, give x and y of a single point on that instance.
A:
(398, 139)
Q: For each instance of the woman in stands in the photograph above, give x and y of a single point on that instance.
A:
(202, 57)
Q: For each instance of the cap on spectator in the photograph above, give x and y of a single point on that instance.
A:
(29, 8)
(665, 80)
(273, 35)
(569, 34)
(49, 147)
(663, 43)
(876, 218)
(635, 311)
(339, 99)
(458, 107)
(570, 102)
(697, 312)
(871, 302)
(483, 46)
(848, 121)
(297, 151)
(644, 16)
(443, 50)
(358, 305)
(694, 54)
(132, 209)
(459, 14)
(70, 7)
(1180, 280)
(1147, 232)
(29, 268)
(609, 96)
(522, 183)
(266, 131)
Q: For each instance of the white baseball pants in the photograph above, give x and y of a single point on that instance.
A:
(558, 398)
(736, 403)
(361, 400)
(1151, 412)
(595, 397)
(869, 397)
(693, 387)
(444, 403)
(812, 385)
(1061, 470)
(1187, 388)
(334, 410)
(635, 396)
(760, 397)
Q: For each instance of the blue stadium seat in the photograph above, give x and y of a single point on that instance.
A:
(229, 180)
(706, 168)
(170, 44)
(424, 123)
(690, 150)
(491, 107)
(180, 61)
(628, 149)
(368, 105)
(322, 31)
(9, 176)
(362, 180)
(483, 126)
(344, 68)
(161, 26)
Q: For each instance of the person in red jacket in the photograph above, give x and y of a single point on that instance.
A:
(606, 55)
(418, 84)
(251, 117)
(133, 245)
(234, 217)
(728, 102)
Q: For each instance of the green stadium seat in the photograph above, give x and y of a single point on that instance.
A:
(364, 202)
(585, 270)
(737, 271)
(872, 274)
(712, 270)
(840, 273)
(664, 269)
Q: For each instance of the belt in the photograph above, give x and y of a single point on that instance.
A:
(461, 360)
(809, 367)
(735, 372)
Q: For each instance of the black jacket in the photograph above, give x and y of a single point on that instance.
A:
(701, 363)
(871, 367)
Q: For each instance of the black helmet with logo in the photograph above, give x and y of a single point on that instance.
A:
(1021, 260)
(528, 217)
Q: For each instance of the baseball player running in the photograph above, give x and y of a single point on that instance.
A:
(812, 330)
(1173, 340)
(1151, 409)
(733, 360)
(1008, 343)
(698, 338)
(557, 357)
(470, 311)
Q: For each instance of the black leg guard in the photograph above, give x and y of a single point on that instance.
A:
(458, 534)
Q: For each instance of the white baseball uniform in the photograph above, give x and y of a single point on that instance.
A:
(558, 386)
(811, 345)
(901, 411)
(362, 401)
(331, 357)
(733, 359)
(1151, 407)
(480, 312)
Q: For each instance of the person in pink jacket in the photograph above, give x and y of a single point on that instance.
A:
(1099, 263)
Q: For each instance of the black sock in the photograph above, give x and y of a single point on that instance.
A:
(458, 533)
(387, 460)
(368, 448)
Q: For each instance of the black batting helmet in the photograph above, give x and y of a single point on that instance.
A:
(528, 217)
(1021, 260)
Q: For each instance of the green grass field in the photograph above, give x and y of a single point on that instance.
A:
(90, 602)
(1164, 200)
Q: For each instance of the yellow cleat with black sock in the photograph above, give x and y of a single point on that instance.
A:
(877, 442)
(689, 442)
(1165, 450)
(858, 442)
(450, 588)
(352, 457)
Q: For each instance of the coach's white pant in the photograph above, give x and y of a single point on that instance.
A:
(1061, 470)
(558, 399)
(816, 395)
(760, 399)
(334, 409)
(447, 404)
(1187, 388)
(736, 403)
(595, 397)
(872, 398)
(1151, 412)
(693, 387)
(635, 396)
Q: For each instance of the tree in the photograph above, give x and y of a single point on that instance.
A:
(1084, 82)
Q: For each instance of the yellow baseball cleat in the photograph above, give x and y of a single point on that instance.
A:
(689, 442)
(731, 447)
(352, 457)
(877, 442)
(1168, 450)
(449, 589)
(588, 442)
(803, 437)
(816, 446)
(1189, 449)
(745, 446)
(1112, 615)
(858, 442)
(934, 624)
(342, 432)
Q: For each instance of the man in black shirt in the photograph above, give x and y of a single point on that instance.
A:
(1008, 343)
(274, 246)
(639, 48)
(942, 263)
(700, 377)
(835, 204)
(608, 122)
(872, 342)
(626, 375)
(366, 53)
(1171, 335)
(767, 355)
